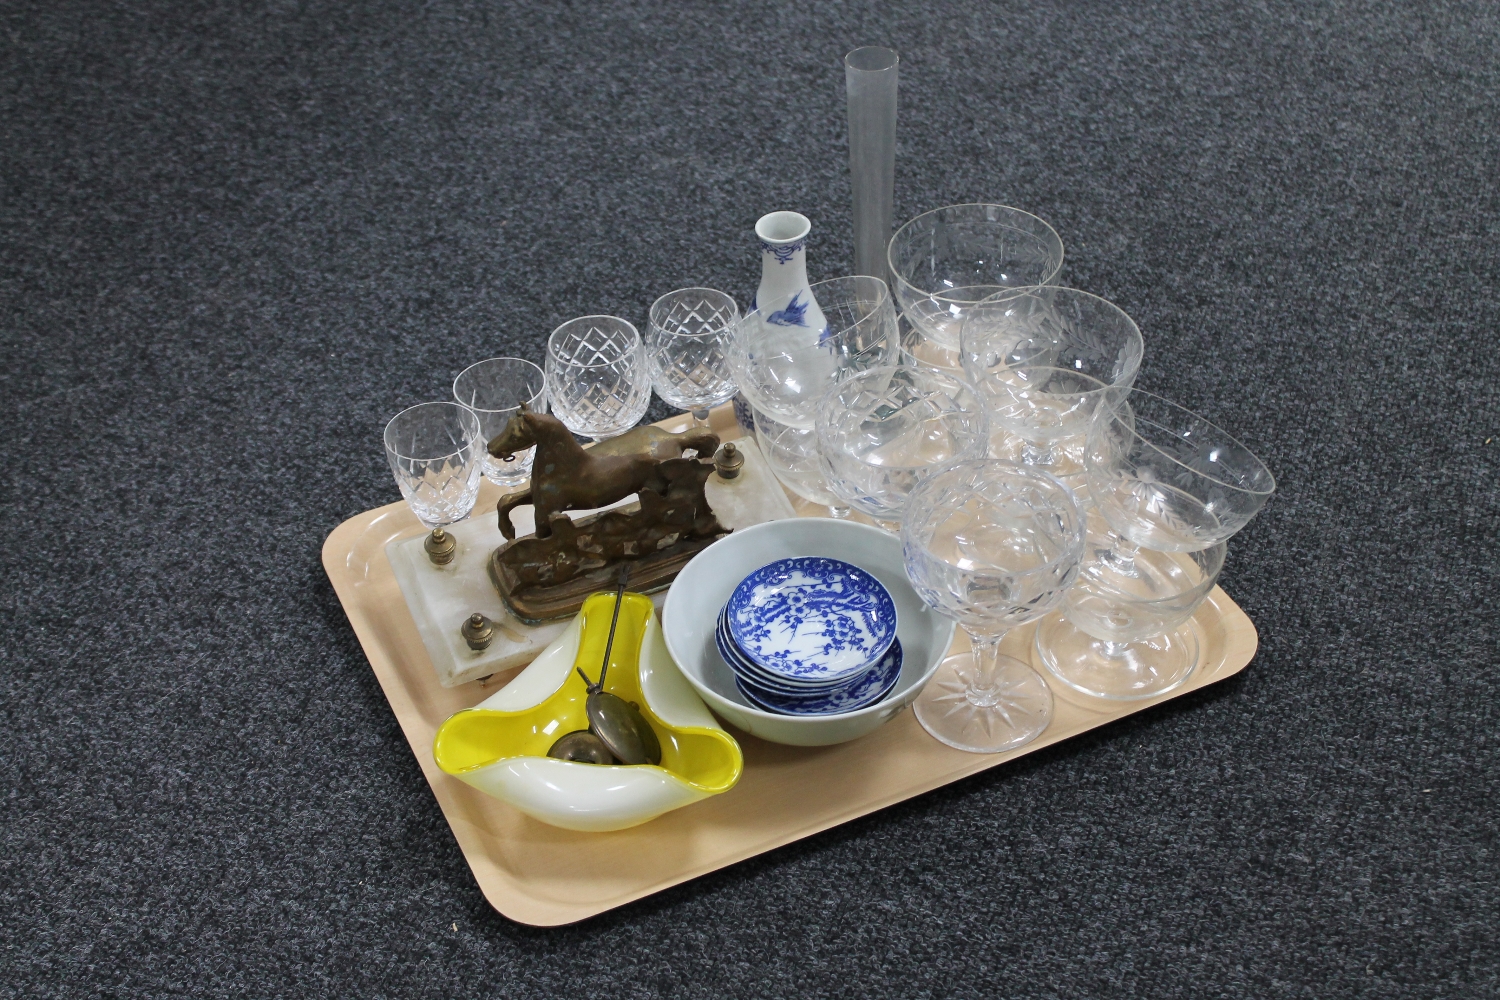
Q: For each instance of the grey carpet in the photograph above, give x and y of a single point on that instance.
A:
(236, 237)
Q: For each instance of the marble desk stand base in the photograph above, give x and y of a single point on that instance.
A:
(441, 597)
(538, 874)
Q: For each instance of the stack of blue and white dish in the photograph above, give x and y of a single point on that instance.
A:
(810, 636)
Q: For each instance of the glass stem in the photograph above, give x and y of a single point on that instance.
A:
(1113, 650)
(985, 689)
(700, 418)
(838, 510)
(1120, 556)
(1036, 454)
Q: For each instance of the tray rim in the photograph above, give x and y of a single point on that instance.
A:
(506, 893)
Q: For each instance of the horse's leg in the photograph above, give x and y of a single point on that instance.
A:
(543, 516)
(653, 480)
(508, 503)
(703, 440)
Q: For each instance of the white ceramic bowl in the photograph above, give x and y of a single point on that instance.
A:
(700, 590)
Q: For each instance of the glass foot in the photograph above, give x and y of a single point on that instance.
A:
(1009, 712)
(1120, 671)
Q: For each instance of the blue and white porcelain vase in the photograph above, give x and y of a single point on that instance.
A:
(784, 299)
(790, 316)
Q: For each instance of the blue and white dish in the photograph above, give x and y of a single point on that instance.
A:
(745, 667)
(865, 691)
(760, 685)
(812, 618)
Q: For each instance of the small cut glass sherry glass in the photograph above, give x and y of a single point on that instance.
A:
(496, 389)
(687, 346)
(434, 451)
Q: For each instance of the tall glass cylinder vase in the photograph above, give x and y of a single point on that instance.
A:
(870, 77)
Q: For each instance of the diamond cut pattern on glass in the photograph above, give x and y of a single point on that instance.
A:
(597, 376)
(687, 347)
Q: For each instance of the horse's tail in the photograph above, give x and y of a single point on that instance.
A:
(508, 503)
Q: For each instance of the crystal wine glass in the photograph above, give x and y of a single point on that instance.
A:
(434, 450)
(1127, 633)
(1046, 359)
(687, 345)
(994, 545)
(597, 376)
(947, 260)
(783, 377)
(792, 453)
(1167, 479)
(881, 431)
(495, 390)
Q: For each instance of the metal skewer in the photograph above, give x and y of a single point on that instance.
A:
(614, 620)
(616, 723)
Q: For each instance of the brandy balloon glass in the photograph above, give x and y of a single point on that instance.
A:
(1046, 360)
(784, 376)
(1126, 630)
(792, 453)
(597, 376)
(882, 431)
(993, 545)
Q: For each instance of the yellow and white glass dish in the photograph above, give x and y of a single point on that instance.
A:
(500, 745)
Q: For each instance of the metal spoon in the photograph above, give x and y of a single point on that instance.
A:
(614, 720)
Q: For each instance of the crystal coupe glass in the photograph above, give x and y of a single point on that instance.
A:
(993, 545)
(1126, 633)
(1167, 479)
(881, 431)
(784, 377)
(434, 451)
(597, 376)
(495, 390)
(1046, 359)
(687, 346)
(946, 261)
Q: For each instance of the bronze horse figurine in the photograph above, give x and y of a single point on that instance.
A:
(567, 476)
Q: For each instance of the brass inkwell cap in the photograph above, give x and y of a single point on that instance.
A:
(478, 631)
(440, 547)
(729, 461)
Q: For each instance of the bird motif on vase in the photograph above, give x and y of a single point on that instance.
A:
(794, 314)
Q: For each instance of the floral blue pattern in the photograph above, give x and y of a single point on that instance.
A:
(762, 679)
(873, 686)
(811, 618)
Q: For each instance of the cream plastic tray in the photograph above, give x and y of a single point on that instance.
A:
(538, 874)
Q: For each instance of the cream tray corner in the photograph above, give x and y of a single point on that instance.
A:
(543, 875)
